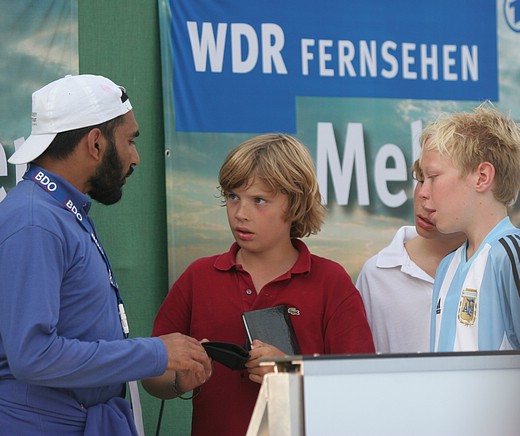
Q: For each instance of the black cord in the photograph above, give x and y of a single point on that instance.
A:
(159, 419)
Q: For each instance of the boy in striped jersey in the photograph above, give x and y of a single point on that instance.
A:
(471, 165)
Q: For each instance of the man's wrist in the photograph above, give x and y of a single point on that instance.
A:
(179, 393)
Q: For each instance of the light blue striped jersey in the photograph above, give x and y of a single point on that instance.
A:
(476, 303)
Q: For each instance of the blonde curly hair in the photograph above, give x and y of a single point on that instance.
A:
(284, 165)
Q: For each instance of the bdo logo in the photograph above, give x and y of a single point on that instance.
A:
(45, 181)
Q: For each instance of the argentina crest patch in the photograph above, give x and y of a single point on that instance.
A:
(468, 307)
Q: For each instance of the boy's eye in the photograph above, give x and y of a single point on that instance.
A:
(259, 200)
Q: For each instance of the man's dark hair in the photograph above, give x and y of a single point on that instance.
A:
(65, 142)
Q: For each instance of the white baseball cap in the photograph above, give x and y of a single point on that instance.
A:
(70, 103)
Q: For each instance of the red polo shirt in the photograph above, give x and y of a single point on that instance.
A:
(208, 299)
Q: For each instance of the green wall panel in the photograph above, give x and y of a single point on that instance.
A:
(120, 39)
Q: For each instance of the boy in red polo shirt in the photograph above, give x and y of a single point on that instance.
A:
(270, 190)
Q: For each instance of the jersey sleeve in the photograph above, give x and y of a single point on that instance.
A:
(506, 269)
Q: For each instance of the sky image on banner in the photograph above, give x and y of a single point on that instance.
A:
(354, 81)
(38, 44)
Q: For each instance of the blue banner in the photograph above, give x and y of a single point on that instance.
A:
(354, 81)
(239, 66)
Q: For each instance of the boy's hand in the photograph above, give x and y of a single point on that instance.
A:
(261, 350)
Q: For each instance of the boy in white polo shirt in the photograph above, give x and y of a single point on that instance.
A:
(397, 283)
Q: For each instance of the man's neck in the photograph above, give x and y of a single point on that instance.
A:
(69, 169)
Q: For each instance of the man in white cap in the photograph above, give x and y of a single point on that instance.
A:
(64, 356)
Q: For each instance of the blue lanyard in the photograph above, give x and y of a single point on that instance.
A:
(53, 187)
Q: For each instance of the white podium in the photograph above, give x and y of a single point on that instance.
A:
(475, 394)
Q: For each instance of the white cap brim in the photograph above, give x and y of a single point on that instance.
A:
(33, 147)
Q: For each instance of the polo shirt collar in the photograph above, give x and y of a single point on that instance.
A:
(395, 254)
(78, 198)
(226, 261)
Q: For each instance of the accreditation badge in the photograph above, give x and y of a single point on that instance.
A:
(468, 307)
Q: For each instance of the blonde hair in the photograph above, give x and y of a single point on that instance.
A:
(417, 173)
(484, 135)
(284, 165)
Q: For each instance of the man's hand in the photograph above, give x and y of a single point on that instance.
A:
(188, 360)
(188, 367)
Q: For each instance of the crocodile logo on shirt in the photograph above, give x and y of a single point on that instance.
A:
(293, 311)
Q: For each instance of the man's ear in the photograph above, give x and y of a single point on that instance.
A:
(94, 143)
(485, 176)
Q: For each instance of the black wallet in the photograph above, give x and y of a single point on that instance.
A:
(273, 326)
(231, 355)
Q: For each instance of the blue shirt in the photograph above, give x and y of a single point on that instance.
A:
(476, 302)
(59, 322)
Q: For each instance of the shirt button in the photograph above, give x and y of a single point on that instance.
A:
(249, 291)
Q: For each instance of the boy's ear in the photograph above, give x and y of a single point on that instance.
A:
(485, 175)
